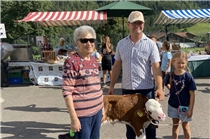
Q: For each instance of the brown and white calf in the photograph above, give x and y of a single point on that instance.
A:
(132, 109)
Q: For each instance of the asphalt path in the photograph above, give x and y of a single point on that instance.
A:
(39, 112)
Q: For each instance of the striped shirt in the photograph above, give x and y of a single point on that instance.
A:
(81, 80)
(136, 62)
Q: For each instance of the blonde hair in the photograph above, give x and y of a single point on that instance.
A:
(107, 41)
(182, 55)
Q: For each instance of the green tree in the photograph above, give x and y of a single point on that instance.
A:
(16, 10)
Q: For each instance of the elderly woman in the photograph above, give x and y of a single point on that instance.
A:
(61, 48)
(81, 86)
(61, 44)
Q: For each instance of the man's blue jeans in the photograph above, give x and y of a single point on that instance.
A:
(150, 130)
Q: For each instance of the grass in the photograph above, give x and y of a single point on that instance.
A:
(199, 29)
(194, 50)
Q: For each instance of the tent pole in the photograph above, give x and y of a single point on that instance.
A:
(38, 29)
(166, 30)
(123, 24)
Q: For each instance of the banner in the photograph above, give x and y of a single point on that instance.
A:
(39, 40)
(2, 31)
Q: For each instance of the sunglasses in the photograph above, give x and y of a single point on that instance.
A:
(86, 40)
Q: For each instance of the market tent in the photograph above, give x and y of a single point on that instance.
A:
(168, 17)
(123, 9)
(66, 18)
(183, 16)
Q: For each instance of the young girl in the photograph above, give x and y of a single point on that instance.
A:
(165, 59)
(96, 55)
(182, 97)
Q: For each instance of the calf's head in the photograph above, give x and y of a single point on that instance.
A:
(155, 110)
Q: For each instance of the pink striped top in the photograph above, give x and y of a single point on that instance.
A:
(81, 80)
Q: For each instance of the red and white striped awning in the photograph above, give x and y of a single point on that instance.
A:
(68, 18)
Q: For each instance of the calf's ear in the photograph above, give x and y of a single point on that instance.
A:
(113, 102)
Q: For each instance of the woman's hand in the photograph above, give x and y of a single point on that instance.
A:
(75, 125)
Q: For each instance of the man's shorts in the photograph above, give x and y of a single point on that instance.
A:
(173, 113)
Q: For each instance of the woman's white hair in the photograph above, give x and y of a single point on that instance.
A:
(82, 31)
(62, 39)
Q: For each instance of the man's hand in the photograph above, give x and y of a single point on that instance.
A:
(159, 94)
(111, 91)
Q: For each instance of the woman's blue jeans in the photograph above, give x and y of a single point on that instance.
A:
(90, 127)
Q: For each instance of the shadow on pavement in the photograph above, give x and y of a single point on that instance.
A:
(33, 108)
(207, 90)
(19, 85)
(31, 129)
(50, 87)
(180, 137)
(207, 77)
(203, 84)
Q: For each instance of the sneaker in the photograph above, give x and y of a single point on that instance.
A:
(167, 95)
(65, 136)
(108, 83)
(103, 85)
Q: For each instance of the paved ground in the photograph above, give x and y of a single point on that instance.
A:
(38, 112)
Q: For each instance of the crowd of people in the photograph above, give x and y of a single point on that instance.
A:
(146, 68)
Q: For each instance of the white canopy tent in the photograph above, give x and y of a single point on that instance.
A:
(168, 17)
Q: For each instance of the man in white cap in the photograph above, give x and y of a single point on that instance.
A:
(138, 58)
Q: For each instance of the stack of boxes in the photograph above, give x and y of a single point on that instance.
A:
(19, 76)
(25, 75)
(15, 76)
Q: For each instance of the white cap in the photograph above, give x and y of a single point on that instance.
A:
(136, 16)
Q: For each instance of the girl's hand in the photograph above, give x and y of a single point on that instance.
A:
(189, 114)
(75, 125)
(166, 72)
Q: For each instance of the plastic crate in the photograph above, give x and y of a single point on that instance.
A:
(15, 73)
(25, 76)
(15, 80)
(25, 80)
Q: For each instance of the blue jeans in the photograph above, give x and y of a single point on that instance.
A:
(150, 130)
(90, 127)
